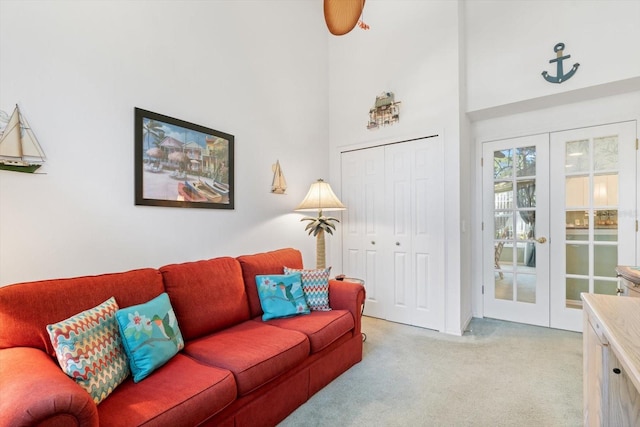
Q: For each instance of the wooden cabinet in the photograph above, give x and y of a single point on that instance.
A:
(624, 399)
(611, 351)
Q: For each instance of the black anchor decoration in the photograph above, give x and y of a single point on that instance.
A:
(558, 60)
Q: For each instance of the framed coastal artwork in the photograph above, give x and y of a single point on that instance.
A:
(181, 164)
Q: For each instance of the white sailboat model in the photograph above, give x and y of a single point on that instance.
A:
(19, 147)
(279, 184)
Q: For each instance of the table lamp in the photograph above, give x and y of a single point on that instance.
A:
(320, 198)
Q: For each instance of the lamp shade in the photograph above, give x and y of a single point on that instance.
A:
(320, 198)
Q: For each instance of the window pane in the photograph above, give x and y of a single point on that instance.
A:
(577, 156)
(606, 287)
(605, 260)
(504, 286)
(503, 195)
(574, 287)
(526, 161)
(606, 226)
(526, 193)
(577, 191)
(503, 164)
(605, 190)
(605, 153)
(577, 259)
(577, 223)
(525, 225)
(503, 224)
(526, 288)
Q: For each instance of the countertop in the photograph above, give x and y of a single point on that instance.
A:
(620, 320)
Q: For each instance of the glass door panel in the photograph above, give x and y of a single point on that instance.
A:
(597, 166)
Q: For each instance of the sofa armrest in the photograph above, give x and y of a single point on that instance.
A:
(35, 391)
(347, 296)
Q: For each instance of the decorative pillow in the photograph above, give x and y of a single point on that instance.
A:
(281, 295)
(150, 335)
(89, 349)
(315, 284)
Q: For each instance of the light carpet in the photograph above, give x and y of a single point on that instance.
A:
(497, 374)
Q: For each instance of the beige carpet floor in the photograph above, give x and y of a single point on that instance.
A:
(497, 374)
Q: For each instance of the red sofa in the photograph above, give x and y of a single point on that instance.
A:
(235, 369)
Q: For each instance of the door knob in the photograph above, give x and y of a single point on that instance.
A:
(541, 240)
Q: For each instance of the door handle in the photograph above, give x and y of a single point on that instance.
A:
(541, 240)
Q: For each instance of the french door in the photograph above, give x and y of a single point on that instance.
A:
(593, 215)
(516, 229)
(559, 214)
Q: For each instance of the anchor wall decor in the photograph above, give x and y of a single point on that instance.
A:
(560, 77)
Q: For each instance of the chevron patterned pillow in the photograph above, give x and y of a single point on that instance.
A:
(89, 349)
(315, 284)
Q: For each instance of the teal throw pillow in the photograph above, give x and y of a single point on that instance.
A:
(150, 335)
(281, 295)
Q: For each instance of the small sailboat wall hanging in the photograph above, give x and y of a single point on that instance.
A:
(19, 147)
(279, 184)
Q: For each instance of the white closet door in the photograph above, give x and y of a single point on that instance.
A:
(363, 195)
(393, 231)
(415, 218)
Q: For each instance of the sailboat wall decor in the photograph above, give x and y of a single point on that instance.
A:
(19, 147)
(279, 184)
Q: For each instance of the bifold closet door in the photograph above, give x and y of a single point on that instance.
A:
(415, 225)
(393, 235)
(363, 195)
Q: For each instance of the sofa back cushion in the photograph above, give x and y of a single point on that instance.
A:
(27, 308)
(265, 263)
(206, 296)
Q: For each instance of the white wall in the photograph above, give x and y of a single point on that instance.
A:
(412, 49)
(254, 69)
(510, 43)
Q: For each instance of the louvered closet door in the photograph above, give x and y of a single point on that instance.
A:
(393, 231)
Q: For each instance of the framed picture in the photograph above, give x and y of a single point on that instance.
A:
(181, 164)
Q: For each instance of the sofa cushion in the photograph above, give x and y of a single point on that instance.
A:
(27, 308)
(255, 352)
(207, 296)
(183, 392)
(315, 284)
(321, 327)
(89, 349)
(150, 335)
(265, 263)
(281, 295)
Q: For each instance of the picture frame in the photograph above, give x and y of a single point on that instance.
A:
(182, 164)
